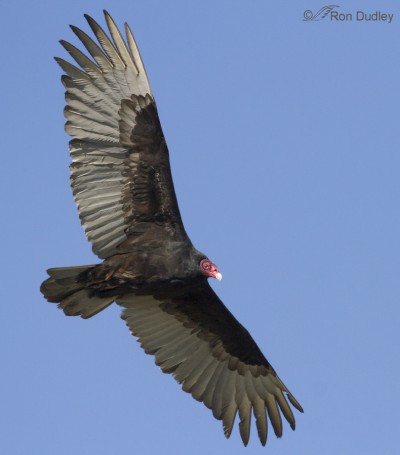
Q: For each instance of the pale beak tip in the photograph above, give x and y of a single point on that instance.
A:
(218, 276)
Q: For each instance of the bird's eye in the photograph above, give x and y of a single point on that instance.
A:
(206, 265)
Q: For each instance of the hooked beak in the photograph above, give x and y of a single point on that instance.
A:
(218, 276)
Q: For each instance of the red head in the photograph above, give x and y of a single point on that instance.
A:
(209, 269)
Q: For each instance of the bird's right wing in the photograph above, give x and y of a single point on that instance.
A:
(194, 336)
(120, 171)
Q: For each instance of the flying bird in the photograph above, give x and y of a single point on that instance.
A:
(122, 184)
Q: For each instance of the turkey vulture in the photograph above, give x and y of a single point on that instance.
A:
(122, 184)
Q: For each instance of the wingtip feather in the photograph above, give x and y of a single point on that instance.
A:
(295, 403)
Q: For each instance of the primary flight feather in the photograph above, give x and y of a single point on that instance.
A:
(122, 184)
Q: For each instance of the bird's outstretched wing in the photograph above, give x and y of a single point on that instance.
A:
(194, 336)
(120, 171)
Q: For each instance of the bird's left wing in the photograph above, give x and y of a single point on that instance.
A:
(120, 171)
(194, 336)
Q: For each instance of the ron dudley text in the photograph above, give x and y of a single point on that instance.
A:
(359, 16)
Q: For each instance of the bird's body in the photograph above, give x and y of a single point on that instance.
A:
(122, 184)
(139, 272)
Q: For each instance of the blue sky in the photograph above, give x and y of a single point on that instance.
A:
(284, 144)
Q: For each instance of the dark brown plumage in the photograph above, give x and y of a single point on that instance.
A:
(122, 184)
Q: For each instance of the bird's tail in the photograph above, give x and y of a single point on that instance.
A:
(63, 287)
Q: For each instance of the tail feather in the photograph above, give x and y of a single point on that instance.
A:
(68, 272)
(64, 288)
